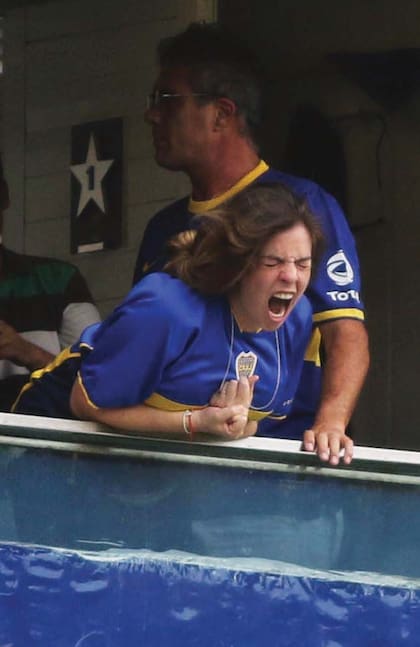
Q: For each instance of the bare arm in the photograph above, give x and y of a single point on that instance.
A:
(17, 349)
(230, 422)
(347, 361)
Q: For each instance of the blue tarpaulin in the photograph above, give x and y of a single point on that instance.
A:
(57, 598)
(131, 547)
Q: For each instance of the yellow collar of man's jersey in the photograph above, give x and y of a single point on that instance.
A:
(201, 206)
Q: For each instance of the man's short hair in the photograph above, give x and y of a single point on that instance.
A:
(220, 65)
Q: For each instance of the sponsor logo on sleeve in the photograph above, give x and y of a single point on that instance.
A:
(344, 296)
(341, 272)
(339, 269)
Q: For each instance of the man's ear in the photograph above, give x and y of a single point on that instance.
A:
(226, 110)
(4, 195)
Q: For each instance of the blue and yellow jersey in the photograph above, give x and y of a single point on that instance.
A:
(171, 348)
(334, 293)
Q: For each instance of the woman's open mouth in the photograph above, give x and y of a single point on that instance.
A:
(279, 303)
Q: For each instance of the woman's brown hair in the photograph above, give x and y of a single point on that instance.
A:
(213, 258)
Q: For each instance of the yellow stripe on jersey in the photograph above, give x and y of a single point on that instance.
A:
(160, 402)
(313, 350)
(202, 206)
(165, 404)
(258, 415)
(57, 361)
(36, 375)
(85, 393)
(339, 313)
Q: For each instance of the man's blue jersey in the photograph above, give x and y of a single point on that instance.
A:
(334, 292)
(171, 348)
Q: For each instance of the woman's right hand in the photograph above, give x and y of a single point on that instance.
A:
(227, 414)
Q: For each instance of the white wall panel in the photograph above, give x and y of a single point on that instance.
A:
(137, 134)
(14, 128)
(110, 273)
(84, 16)
(47, 198)
(70, 63)
(88, 100)
(47, 151)
(107, 53)
(48, 237)
(148, 182)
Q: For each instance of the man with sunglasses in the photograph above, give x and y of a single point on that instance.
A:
(204, 113)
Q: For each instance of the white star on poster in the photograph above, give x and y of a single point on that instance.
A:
(90, 175)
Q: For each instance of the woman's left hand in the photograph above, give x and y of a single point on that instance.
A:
(235, 392)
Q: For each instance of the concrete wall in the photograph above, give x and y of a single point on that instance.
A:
(293, 38)
(68, 63)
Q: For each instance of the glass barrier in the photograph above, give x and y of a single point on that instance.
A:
(261, 524)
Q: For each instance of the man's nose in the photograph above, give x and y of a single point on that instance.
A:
(151, 115)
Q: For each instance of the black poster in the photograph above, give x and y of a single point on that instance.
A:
(96, 185)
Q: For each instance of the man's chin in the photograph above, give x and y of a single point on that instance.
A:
(166, 162)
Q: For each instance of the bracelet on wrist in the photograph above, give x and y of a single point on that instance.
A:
(187, 423)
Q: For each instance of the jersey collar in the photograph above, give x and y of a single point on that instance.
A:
(201, 206)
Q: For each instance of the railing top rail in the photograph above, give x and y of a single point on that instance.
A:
(77, 435)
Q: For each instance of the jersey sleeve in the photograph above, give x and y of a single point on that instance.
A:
(131, 349)
(334, 291)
